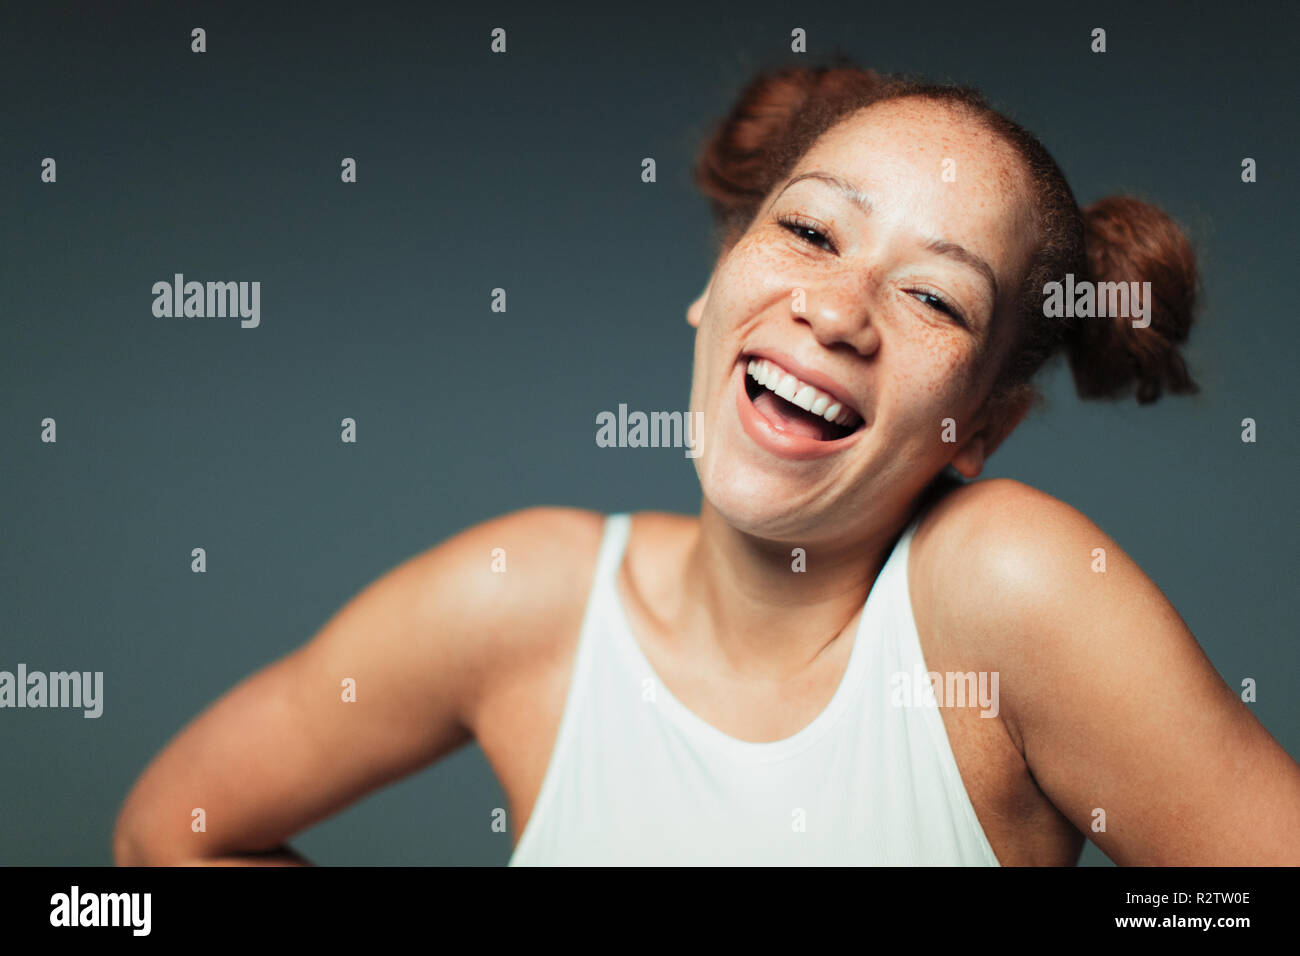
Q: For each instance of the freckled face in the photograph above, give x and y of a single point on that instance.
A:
(882, 301)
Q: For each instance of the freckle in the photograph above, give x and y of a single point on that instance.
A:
(948, 354)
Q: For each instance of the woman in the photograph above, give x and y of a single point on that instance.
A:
(758, 684)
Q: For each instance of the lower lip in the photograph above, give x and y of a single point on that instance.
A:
(781, 443)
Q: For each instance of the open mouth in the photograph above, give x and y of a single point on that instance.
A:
(793, 406)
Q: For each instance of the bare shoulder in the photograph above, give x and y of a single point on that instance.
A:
(1123, 721)
(1030, 586)
(519, 563)
(1001, 520)
(1000, 548)
(511, 584)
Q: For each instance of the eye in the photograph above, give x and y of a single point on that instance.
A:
(807, 230)
(938, 303)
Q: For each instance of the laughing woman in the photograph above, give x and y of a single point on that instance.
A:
(741, 686)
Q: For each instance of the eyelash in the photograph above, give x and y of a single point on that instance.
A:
(798, 226)
(943, 305)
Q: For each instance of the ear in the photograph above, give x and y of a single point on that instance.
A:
(695, 311)
(1000, 420)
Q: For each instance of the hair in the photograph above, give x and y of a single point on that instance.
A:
(781, 113)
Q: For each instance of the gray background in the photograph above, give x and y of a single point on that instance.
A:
(521, 171)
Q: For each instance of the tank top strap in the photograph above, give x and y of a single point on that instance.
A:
(613, 543)
(584, 680)
(602, 596)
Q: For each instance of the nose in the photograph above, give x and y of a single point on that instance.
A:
(840, 311)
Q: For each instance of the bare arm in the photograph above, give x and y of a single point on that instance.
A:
(280, 856)
(1115, 705)
(284, 748)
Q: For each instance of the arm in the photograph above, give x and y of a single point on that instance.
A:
(1114, 704)
(282, 750)
(280, 856)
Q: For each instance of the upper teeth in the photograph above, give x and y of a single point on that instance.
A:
(773, 377)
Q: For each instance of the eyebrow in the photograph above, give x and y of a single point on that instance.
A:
(854, 195)
(943, 247)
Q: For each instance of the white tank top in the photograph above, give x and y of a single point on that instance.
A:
(635, 778)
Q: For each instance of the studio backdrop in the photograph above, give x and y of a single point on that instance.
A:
(443, 255)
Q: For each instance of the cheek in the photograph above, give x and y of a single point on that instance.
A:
(933, 376)
(754, 276)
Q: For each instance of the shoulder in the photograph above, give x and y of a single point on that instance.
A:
(503, 590)
(554, 532)
(998, 504)
(1112, 702)
(1002, 557)
(514, 565)
(1020, 582)
(1005, 537)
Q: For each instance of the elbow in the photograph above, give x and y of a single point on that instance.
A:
(131, 847)
(126, 848)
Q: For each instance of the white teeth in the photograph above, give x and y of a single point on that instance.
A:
(776, 379)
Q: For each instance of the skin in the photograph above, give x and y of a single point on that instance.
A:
(1106, 700)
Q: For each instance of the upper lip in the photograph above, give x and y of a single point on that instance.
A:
(807, 375)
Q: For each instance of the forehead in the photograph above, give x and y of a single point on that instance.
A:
(954, 174)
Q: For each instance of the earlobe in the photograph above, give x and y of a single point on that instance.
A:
(969, 462)
(695, 311)
(1006, 414)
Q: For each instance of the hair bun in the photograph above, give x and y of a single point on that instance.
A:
(1128, 240)
(747, 151)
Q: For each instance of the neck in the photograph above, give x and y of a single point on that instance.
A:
(763, 616)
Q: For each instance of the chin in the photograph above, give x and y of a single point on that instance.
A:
(758, 502)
